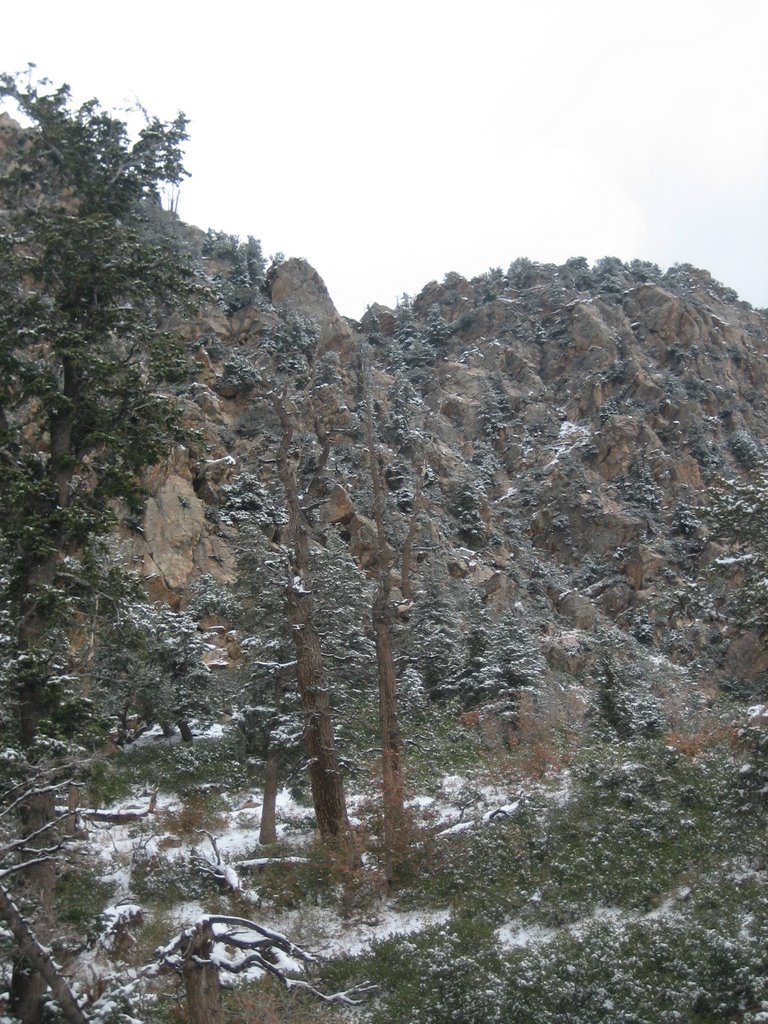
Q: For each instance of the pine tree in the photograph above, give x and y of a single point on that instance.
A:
(436, 632)
(324, 769)
(86, 280)
(149, 665)
(89, 270)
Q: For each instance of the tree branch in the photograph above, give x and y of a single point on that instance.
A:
(40, 959)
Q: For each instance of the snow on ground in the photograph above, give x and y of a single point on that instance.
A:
(514, 933)
(459, 803)
(327, 934)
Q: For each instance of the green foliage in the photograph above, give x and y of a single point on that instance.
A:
(622, 971)
(628, 894)
(241, 268)
(642, 489)
(81, 896)
(434, 631)
(746, 450)
(449, 972)
(180, 768)
(437, 330)
(501, 661)
(209, 597)
(738, 514)
(241, 373)
(626, 703)
(149, 667)
(494, 409)
(753, 737)
(639, 819)
(466, 508)
(685, 520)
(169, 879)
(246, 502)
(294, 340)
(640, 972)
(268, 711)
(87, 281)
(491, 284)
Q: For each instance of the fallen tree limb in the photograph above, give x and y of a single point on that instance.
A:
(120, 817)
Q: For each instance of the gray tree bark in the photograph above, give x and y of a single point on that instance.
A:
(201, 978)
(381, 619)
(42, 970)
(324, 771)
(268, 827)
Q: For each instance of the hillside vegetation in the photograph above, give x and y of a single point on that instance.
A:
(406, 670)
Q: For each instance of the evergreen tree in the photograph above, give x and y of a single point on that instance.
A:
(86, 281)
(149, 667)
(518, 662)
(435, 634)
(479, 679)
(88, 274)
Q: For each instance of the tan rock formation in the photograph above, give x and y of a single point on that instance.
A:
(297, 286)
(174, 522)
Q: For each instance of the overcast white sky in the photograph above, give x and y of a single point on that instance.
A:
(390, 143)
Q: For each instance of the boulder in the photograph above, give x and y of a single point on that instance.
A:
(577, 610)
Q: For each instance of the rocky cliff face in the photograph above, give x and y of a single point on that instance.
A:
(548, 435)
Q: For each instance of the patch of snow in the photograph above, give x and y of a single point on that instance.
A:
(453, 830)
(570, 431)
(507, 811)
(327, 933)
(515, 934)
(511, 491)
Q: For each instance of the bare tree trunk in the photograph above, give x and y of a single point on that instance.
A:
(201, 978)
(391, 740)
(73, 800)
(324, 772)
(381, 618)
(45, 972)
(268, 827)
(28, 989)
(27, 984)
(187, 735)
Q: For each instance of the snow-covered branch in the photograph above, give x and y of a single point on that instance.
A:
(212, 944)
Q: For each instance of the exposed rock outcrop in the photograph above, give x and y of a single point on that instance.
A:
(560, 425)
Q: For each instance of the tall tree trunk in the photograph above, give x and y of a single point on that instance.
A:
(27, 983)
(381, 619)
(324, 771)
(391, 740)
(268, 827)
